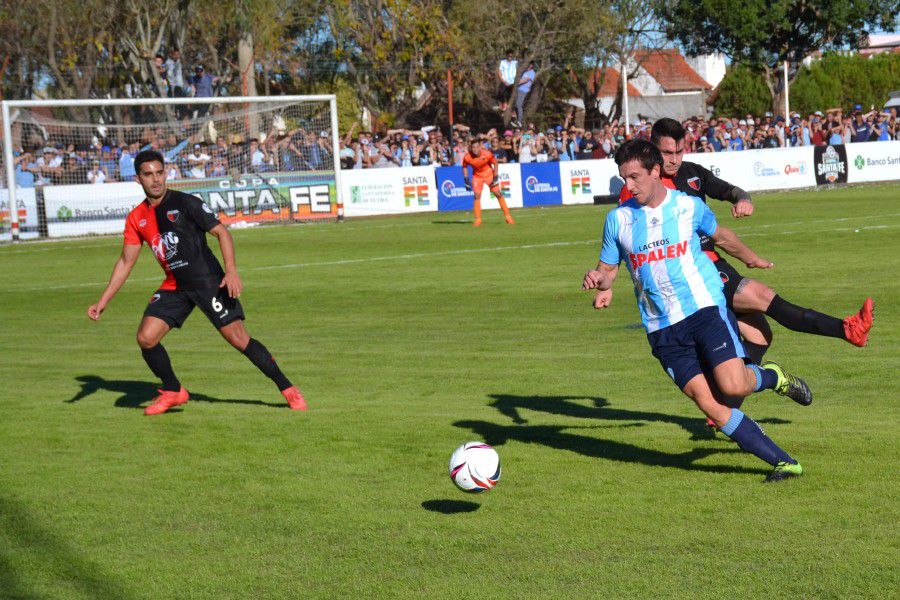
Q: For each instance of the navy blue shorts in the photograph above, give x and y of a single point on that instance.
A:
(697, 344)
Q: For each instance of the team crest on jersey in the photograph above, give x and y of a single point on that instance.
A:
(723, 276)
(173, 215)
(165, 246)
(694, 183)
(654, 222)
(142, 223)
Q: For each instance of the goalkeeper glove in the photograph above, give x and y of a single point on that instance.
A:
(468, 185)
(495, 180)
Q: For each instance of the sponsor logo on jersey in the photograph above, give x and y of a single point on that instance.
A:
(154, 298)
(678, 250)
(142, 223)
(173, 215)
(165, 246)
(694, 183)
(207, 209)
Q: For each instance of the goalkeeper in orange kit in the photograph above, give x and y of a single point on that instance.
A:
(484, 173)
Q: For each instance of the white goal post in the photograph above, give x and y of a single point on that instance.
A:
(68, 164)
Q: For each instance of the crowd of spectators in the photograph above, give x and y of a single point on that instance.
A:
(431, 146)
(188, 156)
(192, 153)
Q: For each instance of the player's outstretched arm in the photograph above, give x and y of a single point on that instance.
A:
(121, 271)
(231, 281)
(729, 241)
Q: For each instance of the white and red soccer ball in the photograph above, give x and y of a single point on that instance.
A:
(475, 467)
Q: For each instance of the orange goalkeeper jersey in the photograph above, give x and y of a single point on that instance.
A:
(482, 165)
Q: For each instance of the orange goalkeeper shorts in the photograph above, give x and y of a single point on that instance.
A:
(479, 182)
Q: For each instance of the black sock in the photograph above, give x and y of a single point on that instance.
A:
(259, 356)
(755, 352)
(805, 320)
(158, 360)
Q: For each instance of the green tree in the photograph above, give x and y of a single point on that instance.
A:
(842, 80)
(742, 91)
(395, 52)
(763, 34)
(555, 35)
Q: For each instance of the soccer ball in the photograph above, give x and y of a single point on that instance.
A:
(475, 467)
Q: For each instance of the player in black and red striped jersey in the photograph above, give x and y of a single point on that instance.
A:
(750, 300)
(175, 225)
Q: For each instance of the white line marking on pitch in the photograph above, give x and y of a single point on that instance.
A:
(371, 259)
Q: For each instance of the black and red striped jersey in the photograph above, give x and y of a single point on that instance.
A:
(175, 230)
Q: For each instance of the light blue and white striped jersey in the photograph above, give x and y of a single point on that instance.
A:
(672, 277)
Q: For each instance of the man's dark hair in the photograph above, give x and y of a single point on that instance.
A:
(147, 156)
(640, 150)
(667, 127)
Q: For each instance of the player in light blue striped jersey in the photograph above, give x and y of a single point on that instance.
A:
(679, 294)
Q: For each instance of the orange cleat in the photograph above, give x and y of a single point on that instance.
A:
(509, 221)
(294, 398)
(857, 327)
(476, 223)
(166, 400)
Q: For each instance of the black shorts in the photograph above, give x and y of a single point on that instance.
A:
(174, 306)
(697, 344)
(731, 279)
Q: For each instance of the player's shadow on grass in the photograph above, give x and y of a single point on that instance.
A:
(25, 538)
(449, 507)
(559, 438)
(458, 222)
(599, 408)
(136, 393)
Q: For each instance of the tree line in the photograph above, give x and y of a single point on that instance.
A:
(396, 58)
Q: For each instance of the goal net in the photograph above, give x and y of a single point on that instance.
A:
(251, 160)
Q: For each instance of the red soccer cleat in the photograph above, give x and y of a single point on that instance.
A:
(167, 400)
(857, 327)
(294, 398)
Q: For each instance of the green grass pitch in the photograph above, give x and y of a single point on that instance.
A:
(409, 336)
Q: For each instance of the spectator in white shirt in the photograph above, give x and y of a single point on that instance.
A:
(197, 161)
(96, 174)
(506, 72)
